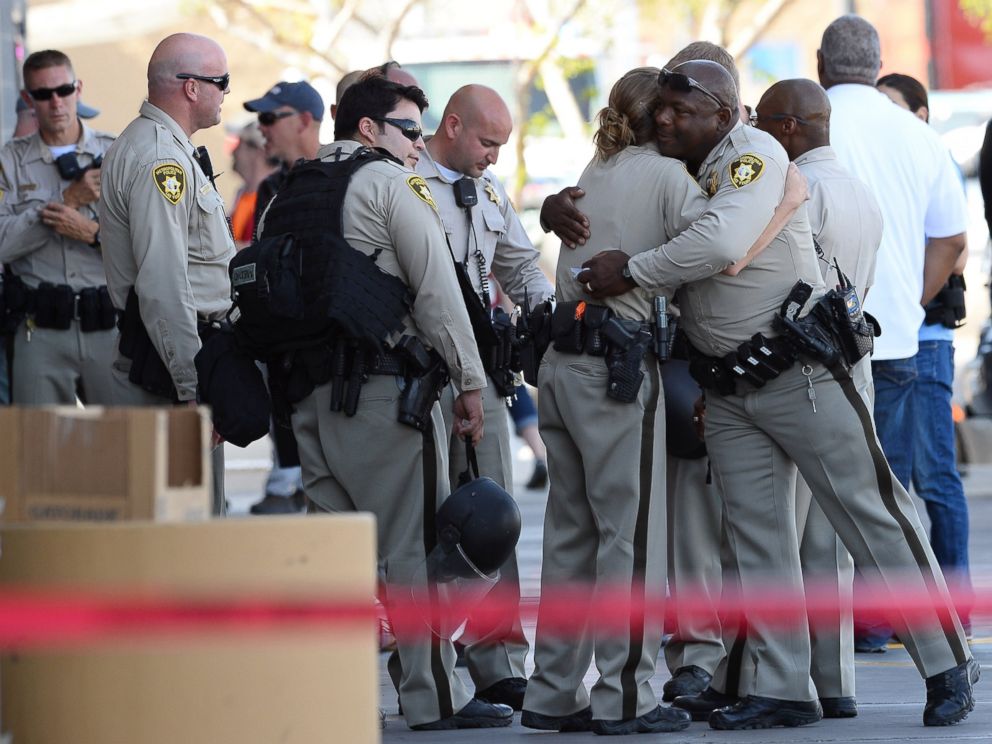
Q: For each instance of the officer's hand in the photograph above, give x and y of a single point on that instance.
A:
(601, 276)
(560, 215)
(468, 415)
(68, 222)
(699, 417)
(84, 191)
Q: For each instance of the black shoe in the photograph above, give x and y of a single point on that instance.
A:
(657, 720)
(539, 478)
(753, 712)
(272, 504)
(579, 721)
(949, 696)
(476, 714)
(839, 707)
(509, 691)
(687, 680)
(700, 706)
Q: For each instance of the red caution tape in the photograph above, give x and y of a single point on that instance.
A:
(52, 618)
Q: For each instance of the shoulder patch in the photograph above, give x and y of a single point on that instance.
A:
(746, 169)
(171, 182)
(419, 187)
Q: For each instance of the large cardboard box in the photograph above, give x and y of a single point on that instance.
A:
(104, 464)
(289, 684)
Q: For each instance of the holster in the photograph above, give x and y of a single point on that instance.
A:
(629, 341)
(948, 307)
(533, 338)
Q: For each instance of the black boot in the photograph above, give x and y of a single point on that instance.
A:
(687, 680)
(755, 712)
(700, 706)
(949, 696)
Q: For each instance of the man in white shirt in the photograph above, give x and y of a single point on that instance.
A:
(924, 217)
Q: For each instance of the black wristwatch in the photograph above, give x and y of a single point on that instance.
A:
(96, 239)
(625, 275)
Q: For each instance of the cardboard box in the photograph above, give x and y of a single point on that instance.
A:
(104, 464)
(283, 684)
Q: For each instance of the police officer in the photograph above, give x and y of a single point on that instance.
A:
(486, 237)
(389, 212)
(808, 413)
(289, 117)
(166, 239)
(50, 241)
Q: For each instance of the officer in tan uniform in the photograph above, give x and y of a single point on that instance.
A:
(166, 239)
(809, 414)
(50, 241)
(390, 212)
(605, 519)
(486, 237)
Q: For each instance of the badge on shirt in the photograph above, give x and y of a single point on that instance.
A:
(171, 181)
(493, 196)
(712, 183)
(419, 187)
(746, 169)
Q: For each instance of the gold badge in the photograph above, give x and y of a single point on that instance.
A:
(712, 183)
(419, 187)
(746, 169)
(171, 181)
(493, 196)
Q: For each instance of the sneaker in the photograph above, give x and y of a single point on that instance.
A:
(273, 504)
(509, 691)
(658, 720)
(539, 478)
(475, 714)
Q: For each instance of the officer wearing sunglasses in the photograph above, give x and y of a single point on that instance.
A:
(166, 240)
(50, 240)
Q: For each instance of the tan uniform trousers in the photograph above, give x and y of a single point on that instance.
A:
(371, 462)
(497, 650)
(753, 440)
(695, 523)
(54, 366)
(604, 528)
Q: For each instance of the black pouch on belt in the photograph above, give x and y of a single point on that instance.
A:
(108, 313)
(53, 306)
(593, 320)
(566, 327)
(89, 310)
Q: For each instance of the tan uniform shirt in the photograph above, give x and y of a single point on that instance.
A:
(164, 232)
(745, 177)
(389, 209)
(634, 201)
(30, 179)
(843, 216)
(495, 231)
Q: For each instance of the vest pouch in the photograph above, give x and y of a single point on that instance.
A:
(567, 328)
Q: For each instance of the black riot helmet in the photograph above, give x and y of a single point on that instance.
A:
(681, 393)
(478, 526)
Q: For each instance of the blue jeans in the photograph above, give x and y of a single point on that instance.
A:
(934, 470)
(894, 385)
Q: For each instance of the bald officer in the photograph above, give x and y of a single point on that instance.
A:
(847, 227)
(809, 414)
(50, 241)
(486, 238)
(166, 239)
(389, 212)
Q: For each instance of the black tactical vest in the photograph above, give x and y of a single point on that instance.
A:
(301, 284)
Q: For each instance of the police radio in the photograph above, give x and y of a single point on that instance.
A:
(466, 196)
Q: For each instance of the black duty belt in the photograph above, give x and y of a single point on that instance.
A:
(755, 362)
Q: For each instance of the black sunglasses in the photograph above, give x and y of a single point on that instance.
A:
(62, 91)
(684, 84)
(756, 117)
(221, 81)
(268, 118)
(408, 127)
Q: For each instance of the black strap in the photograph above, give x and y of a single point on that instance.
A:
(472, 463)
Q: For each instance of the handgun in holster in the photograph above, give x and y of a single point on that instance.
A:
(533, 337)
(427, 376)
(629, 342)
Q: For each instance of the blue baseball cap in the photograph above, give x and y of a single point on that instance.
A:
(301, 96)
